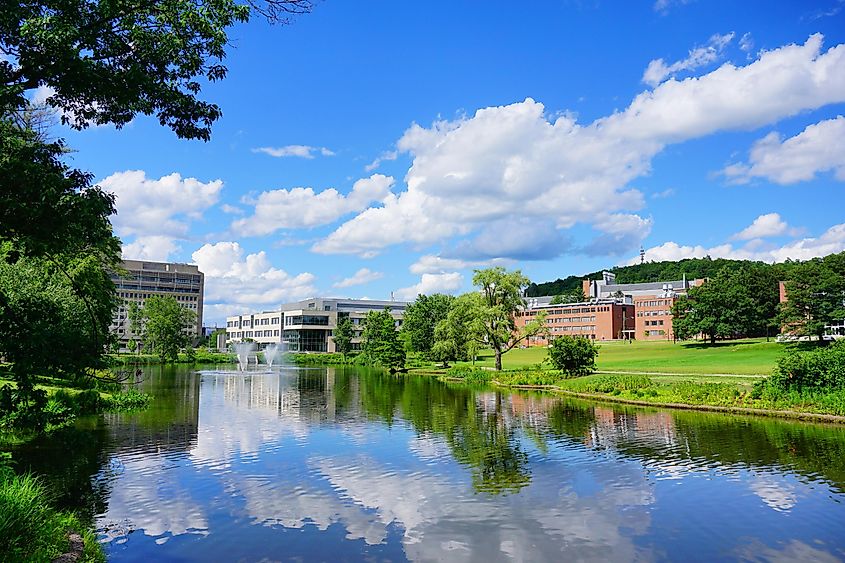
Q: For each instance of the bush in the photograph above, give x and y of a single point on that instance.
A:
(470, 374)
(30, 529)
(821, 369)
(573, 356)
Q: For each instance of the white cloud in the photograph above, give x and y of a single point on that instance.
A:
(235, 282)
(305, 208)
(818, 148)
(657, 70)
(155, 247)
(431, 264)
(830, 242)
(768, 225)
(668, 192)
(300, 151)
(514, 159)
(231, 209)
(663, 6)
(362, 276)
(746, 42)
(157, 212)
(387, 155)
(620, 233)
(446, 282)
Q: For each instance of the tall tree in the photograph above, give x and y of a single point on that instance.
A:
(501, 300)
(343, 336)
(456, 336)
(815, 296)
(722, 307)
(166, 326)
(420, 320)
(381, 343)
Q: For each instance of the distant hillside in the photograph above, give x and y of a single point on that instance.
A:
(652, 272)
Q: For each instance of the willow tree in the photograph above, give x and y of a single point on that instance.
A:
(495, 315)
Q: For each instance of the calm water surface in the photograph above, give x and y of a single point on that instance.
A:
(348, 464)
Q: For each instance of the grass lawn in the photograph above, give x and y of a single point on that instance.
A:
(742, 357)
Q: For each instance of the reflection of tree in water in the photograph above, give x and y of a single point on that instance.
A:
(480, 437)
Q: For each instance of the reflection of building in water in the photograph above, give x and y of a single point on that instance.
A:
(170, 425)
(308, 396)
(651, 429)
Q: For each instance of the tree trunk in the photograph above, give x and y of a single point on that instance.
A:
(498, 360)
(712, 339)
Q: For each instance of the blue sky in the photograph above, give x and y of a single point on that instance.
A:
(394, 147)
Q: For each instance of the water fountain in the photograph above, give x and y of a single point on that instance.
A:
(243, 349)
(271, 354)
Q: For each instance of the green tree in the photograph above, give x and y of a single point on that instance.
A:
(135, 316)
(381, 344)
(574, 296)
(815, 296)
(495, 314)
(722, 307)
(420, 321)
(456, 336)
(573, 355)
(166, 326)
(343, 336)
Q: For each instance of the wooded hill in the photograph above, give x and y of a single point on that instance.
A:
(657, 271)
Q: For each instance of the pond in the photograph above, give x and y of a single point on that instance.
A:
(333, 464)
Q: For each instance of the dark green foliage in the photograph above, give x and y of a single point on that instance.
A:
(381, 345)
(815, 292)
(130, 399)
(734, 303)
(822, 369)
(420, 321)
(455, 336)
(693, 268)
(343, 336)
(572, 355)
(470, 374)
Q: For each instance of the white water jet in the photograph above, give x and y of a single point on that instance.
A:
(243, 349)
(271, 354)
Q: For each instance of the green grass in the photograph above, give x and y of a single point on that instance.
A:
(30, 529)
(742, 357)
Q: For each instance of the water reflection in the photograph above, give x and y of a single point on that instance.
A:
(350, 463)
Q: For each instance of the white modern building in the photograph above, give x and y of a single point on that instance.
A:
(308, 325)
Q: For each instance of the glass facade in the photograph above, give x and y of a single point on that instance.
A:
(305, 340)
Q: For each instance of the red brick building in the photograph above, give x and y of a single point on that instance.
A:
(600, 319)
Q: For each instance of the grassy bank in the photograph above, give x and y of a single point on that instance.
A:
(740, 357)
(31, 529)
(199, 356)
(692, 391)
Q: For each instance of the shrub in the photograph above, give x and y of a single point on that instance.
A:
(822, 368)
(128, 400)
(469, 374)
(614, 384)
(574, 356)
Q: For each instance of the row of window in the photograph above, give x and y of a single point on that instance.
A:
(585, 328)
(256, 334)
(654, 323)
(590, 319)
(656, 303)
(653, 313)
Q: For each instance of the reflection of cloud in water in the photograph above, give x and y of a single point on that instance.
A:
(778, 494)
(441, 522)
(794, 550)
(148, 498)
(429, 447)
(268, 504)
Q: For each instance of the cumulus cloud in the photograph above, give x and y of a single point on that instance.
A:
(768, 225)
(304, 208)
(816, 149)
(620, 233)
(300, 151)
(446, 282)
(157, 212)
(658, 71)
(236, 281)
(511, 160)
(362, 276)
(746, 42)
(829, 242)
(431, 264)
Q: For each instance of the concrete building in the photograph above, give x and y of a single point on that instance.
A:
(308, 325)
(597, 319)
(143, 280)
(653, 302)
